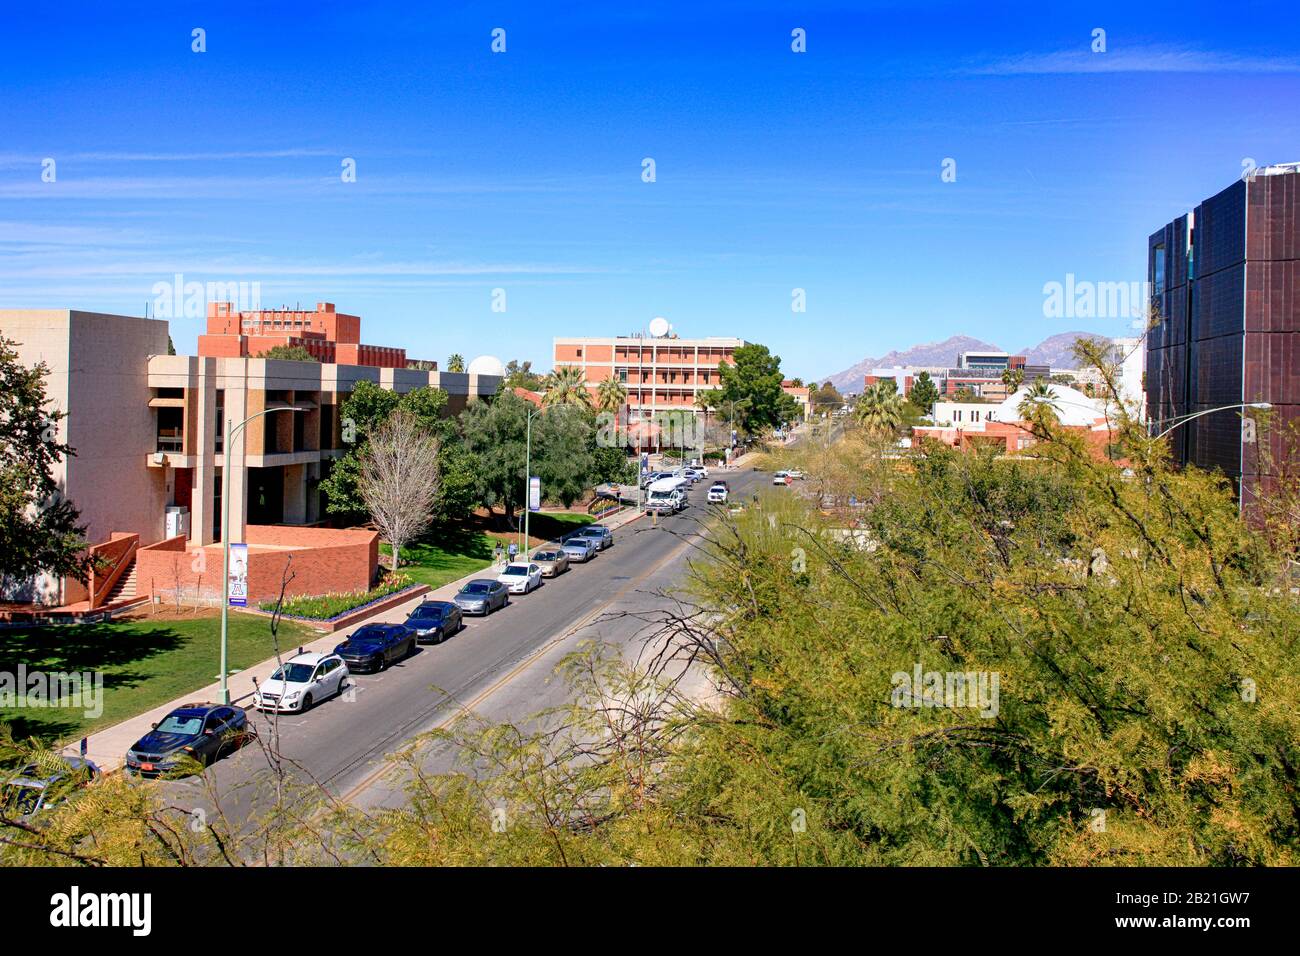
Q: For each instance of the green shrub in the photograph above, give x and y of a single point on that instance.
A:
(324, 607)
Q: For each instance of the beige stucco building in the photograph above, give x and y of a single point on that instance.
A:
(147, 431)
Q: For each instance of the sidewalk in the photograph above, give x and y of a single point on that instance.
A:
(108, 747)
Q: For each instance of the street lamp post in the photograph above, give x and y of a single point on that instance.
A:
(1184, 419)
(528, 478)
(229, 450)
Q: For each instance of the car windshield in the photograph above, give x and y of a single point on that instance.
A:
(429, 613)
(544, 556)
(475, 587)
(366, 637)
(515, 570)
(22, 798)
(180, 724)
(294, 673)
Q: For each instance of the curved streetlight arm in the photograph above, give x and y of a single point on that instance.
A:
(1184, 419)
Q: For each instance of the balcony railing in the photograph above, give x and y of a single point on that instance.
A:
(171, 440)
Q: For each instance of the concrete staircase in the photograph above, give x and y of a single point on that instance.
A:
(124, 589)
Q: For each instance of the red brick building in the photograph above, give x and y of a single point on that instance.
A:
(331, 337)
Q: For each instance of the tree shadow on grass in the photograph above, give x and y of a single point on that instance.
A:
(76, 649)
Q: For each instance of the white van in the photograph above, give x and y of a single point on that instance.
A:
(667, 495)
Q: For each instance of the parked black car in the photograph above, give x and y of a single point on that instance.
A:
(199, 731)
(435, 621)
(482, 596)
(372, 647)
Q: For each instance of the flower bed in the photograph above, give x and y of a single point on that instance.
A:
(328, 607)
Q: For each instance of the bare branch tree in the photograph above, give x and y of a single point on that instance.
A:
(399, 479)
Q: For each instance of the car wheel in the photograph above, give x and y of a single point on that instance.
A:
(306, 704)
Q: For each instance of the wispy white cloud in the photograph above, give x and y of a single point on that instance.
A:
(1136, 59)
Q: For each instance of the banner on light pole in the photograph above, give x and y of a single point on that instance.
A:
(238, 582)
(534, 494)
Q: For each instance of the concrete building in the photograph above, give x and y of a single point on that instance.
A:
(1225, 278)
(801, 394)
(980, 372)
(147, 476)
(98, 377)
(661, 373)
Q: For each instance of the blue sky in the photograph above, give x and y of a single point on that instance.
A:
(522, 170)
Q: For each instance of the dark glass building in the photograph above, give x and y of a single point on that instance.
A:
(1225, 279)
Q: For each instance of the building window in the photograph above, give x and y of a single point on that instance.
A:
(1158, 270)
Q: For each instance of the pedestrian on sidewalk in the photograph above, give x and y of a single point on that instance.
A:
(498, 554)
(514, 551)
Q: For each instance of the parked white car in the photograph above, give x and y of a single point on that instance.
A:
(302, 681)
(781, 478)
(520, 577)
(718, 493)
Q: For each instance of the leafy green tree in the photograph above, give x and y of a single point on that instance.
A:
(521, 375)
(39, 530)
(288, 353)
(562, 458)
(361, 413)
(924, 392)
(456, 363)
(753, 384)
(495, 432)
(612, 465)
(171, 346)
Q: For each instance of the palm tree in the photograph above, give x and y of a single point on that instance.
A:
(1013, 378)
(880, 409)
(566, 385)
(1039, 403)
(456, 363)
(610, 395)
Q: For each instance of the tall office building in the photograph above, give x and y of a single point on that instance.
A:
(1225, 278)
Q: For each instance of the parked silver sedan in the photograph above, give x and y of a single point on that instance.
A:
(603, 535)
(579, 550)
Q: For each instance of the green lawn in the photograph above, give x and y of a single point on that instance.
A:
(435, 564)
(145, 662)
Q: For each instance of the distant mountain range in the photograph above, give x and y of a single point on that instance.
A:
(1053, 350)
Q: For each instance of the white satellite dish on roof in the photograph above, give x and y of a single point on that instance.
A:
(487, 365)
(659, 326)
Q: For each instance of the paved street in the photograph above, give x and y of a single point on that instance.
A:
(499, 667)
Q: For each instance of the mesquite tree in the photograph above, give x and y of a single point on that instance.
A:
(399, 479)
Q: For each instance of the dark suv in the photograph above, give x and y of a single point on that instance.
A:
(202, 732)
